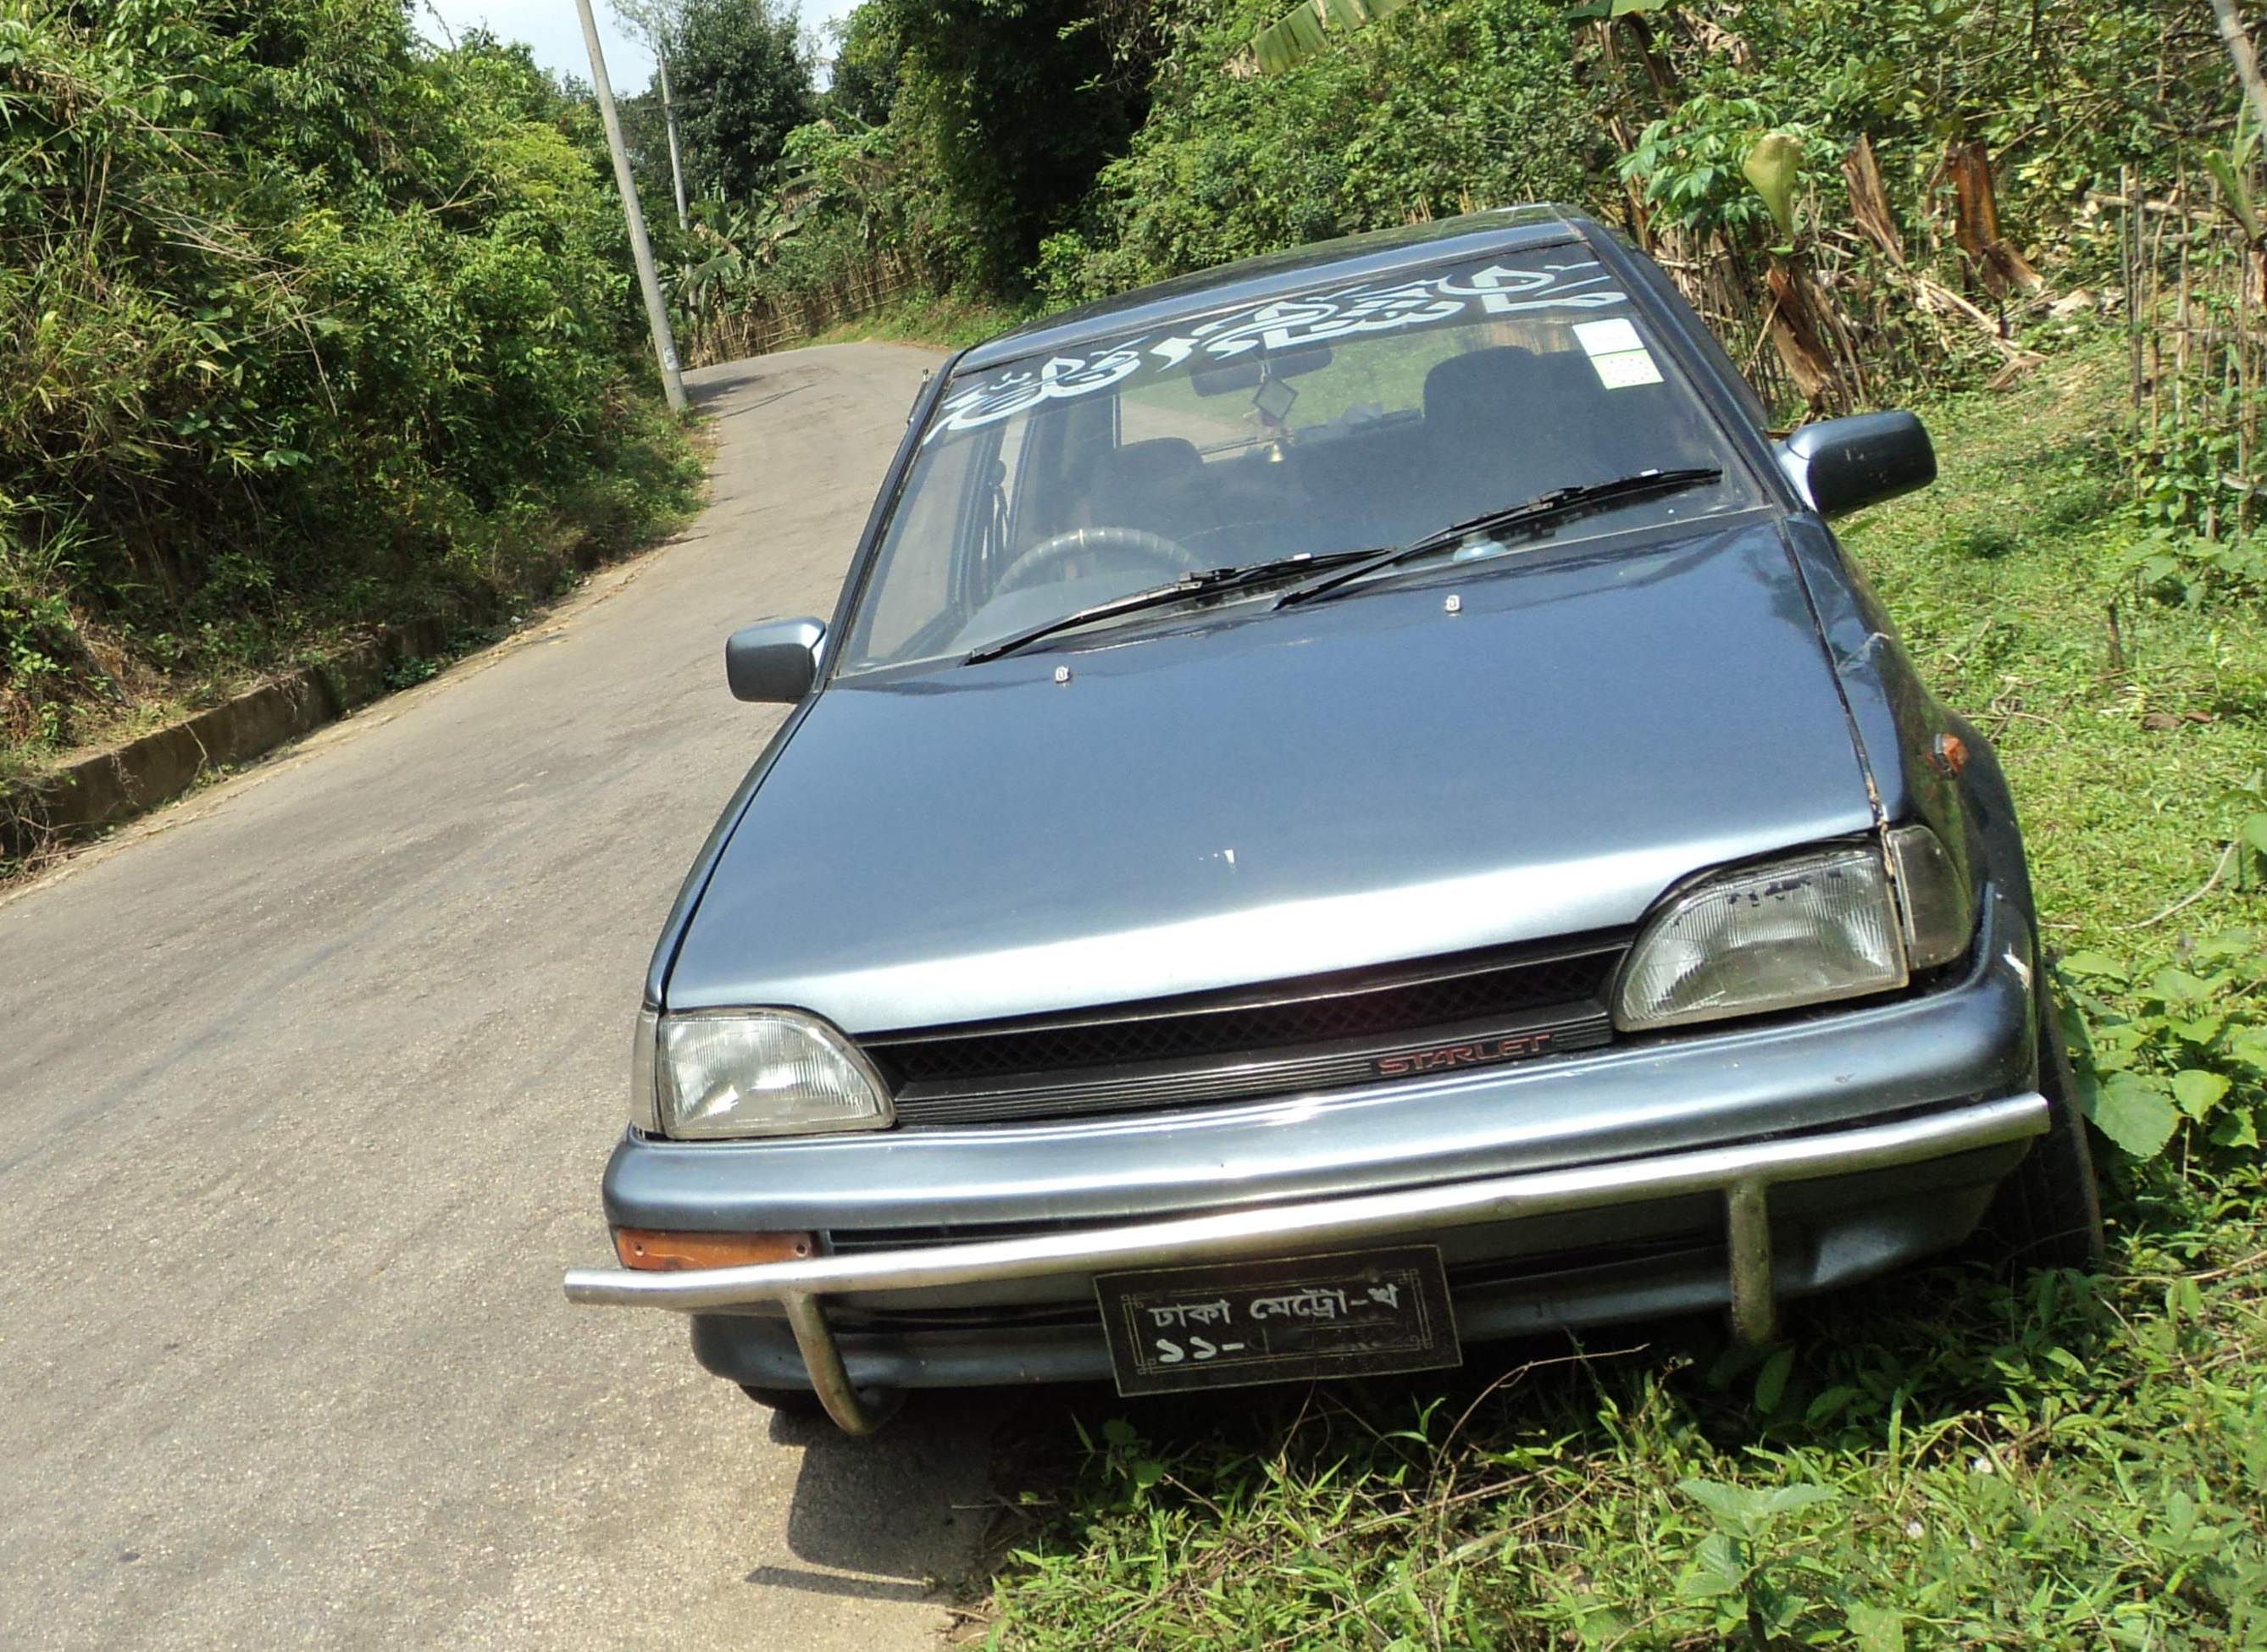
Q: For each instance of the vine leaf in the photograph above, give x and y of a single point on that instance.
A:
(2198, 1091)
(2134, 1112)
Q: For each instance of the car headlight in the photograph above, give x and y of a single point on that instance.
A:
(721, 1074)
(1830, 923)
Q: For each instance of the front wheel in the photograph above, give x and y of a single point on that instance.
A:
(881, 1404)
(789, 1402)
(2048, 1213)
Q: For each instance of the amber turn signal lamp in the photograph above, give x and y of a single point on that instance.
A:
(660, 1252)
(1951, 753)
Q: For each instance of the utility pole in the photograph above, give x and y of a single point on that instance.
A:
(669, 118)
(656, 312)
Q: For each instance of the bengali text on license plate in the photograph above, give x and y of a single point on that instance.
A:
(1233, 1323)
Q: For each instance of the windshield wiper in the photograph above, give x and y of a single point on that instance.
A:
(1210, 580)
(1554, 505)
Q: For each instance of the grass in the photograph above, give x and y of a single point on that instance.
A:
(2060, 1462)
(948, 321)
(162, 667)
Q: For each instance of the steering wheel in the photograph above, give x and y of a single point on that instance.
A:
(1169, 556)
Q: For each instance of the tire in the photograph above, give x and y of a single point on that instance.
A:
(789, 1402)
(2048, 1213)
(803, 1403)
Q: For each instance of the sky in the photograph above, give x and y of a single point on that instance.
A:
(552, 28)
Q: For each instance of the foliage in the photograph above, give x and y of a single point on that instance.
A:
(863, 90)
(2068, 1466)
(2179, 566)
(1014, 105)
(1078, 147)
(311, 326)
(740, 79)
(2174, 1048)
(741, 82)
(1693, 165)
(843, 235)
(1433, 110)
(951, 138)
(1305, 30)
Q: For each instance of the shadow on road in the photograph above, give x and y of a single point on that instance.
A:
(770, 379)
(889, 1517)
(705, 386)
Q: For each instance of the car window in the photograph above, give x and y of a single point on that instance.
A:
(1365, 414)
(910, 587)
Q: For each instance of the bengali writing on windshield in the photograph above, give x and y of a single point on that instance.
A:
(1284, 324)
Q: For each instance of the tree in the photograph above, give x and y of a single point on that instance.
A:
(741, 83)
(1021, 102)
(864, 87)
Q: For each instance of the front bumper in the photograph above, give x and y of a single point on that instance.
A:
(1741, 1175)
(1886, 1124)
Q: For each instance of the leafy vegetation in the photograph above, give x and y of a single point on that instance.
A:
(1434, 110)
(309, 325)
(742, 80)
(952, 136)
(2053, 1463)
(1870, 197)
(748, 85)
(2073, 1465)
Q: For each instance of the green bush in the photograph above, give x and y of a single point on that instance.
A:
(1438, 109)
(311, 324)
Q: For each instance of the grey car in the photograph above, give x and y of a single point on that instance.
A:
(1350, 806)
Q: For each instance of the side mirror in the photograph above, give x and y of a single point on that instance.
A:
(1842, 463)
(774, 663)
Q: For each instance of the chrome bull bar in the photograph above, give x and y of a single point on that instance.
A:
(1743, 1174)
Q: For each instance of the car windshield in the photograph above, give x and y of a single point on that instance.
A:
(1359, 416)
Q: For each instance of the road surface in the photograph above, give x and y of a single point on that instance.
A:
(305, 1085)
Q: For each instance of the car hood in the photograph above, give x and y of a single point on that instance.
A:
(1263, 795)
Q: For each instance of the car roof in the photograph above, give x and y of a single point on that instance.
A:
(1256, 280)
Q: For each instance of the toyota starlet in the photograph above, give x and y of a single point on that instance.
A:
(1351, 807)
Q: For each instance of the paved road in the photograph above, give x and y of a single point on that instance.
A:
(304, 1089)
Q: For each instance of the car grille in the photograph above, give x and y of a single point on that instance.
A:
(1311, 1033)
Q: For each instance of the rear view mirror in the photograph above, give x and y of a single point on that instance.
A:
(774, 663)
(1842, 463)
(1219, 381)
(1294, 363)
(1247, 372)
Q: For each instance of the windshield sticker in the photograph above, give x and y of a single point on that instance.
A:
(1618, 355)
(1004, 394)
(1289, 324)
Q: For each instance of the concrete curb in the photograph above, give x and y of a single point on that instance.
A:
(76, 802)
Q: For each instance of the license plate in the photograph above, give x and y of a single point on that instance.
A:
(1231, 1323)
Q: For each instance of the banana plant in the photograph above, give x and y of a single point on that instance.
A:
(1607, 10)
(2231, 170)
(747, 241)
(1771, 169)
(1305, 29)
